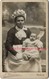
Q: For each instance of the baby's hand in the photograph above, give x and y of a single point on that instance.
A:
(31, 59)
(25, 56)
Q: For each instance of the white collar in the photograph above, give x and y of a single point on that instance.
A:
(24, 28)
(17, 28)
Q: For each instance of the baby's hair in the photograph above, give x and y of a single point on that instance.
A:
(34, 34)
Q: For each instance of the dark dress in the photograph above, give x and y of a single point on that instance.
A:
(13, 40)
(13, 61)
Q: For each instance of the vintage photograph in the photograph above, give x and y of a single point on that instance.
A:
(24, 37)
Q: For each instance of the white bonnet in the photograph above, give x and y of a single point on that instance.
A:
(19, 12)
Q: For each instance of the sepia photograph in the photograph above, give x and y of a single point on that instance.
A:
(24, 37)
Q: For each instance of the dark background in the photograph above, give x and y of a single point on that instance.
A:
(35, 11)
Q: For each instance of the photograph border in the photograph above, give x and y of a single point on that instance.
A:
(25, 75)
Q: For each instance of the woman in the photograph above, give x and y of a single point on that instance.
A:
(16, 36)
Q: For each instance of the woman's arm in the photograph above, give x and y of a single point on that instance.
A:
(24, 46)
(28, 33)
(9, 42)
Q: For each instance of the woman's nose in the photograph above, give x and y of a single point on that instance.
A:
(20, 22)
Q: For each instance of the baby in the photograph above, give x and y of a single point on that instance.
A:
(32, 46)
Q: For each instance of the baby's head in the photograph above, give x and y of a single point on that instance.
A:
(33, 36)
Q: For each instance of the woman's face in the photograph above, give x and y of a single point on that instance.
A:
(20, 21)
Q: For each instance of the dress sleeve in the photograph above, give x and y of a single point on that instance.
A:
(28, 33)
(39, 45)
(9, 42)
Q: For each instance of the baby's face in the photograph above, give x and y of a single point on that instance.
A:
(32, 36)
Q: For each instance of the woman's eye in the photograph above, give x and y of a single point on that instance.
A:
(20, 20)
